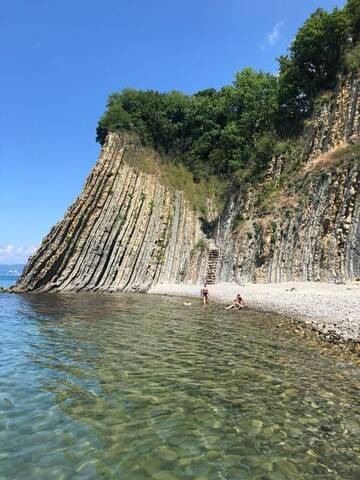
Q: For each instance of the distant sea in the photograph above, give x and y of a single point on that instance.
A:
(7, 280)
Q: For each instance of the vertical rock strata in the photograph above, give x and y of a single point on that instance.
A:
(338, 119)
(318, 239)
(128, 231)
(316, 233)
(124, 232)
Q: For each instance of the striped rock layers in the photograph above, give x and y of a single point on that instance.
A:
(128, 230)
(316, 235)
(124, 232)
(317, 238)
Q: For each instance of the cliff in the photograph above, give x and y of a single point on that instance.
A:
(312, 234)
(129, 229)
(309, 228)
(124, 232)
(337, 121)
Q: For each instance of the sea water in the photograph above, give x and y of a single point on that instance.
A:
(141, 387)
(7, 280)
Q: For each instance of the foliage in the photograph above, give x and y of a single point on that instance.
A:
(352, 58)
(233, 132)
(176, 177)
(352, 10)
(313, 63)
(211, 132)
(321, 101)
(201, 245)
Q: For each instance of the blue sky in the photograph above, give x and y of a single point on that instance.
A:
(61, 59)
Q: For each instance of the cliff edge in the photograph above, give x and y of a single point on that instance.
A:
(129, 230)
(124, 232)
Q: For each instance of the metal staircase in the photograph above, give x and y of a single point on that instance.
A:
(212, 266)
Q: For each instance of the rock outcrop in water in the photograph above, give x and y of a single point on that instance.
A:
(128, 230)
(124, 232)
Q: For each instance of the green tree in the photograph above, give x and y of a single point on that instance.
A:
(228, 131)
(314, 61)
(352, 9)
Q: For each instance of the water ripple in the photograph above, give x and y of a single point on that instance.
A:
(139, 387)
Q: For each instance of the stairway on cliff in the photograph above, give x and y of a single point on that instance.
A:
(212, 266)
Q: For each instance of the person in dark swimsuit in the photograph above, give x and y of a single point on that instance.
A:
(238, 304)
(205, 294)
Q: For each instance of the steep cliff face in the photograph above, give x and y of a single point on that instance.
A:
(129, 230)
(317, 238)
(124, 232)
(310, 230)
(337, 121)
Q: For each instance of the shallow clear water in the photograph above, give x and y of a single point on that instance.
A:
(138, 387)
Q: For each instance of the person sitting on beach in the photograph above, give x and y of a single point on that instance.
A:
(204, 292)
(238, 304)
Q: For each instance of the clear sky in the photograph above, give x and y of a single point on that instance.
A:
(61, 59)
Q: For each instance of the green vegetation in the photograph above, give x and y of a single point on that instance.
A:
(238, 220)
(201, 245)
(352, 58)
(177, 177)
(343, 156)
(232, 133)
(312, 64)
(211, 132)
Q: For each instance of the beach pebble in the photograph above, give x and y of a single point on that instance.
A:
(317, 305)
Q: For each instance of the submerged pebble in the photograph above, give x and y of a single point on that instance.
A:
(110, 388)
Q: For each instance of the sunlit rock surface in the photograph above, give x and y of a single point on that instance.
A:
(128, 230)
(124, 232)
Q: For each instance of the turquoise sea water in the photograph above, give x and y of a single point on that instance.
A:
(138, 387)
(7, 280)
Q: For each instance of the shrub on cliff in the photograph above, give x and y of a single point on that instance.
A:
(234, 129)
(353, 12)
(352, 58)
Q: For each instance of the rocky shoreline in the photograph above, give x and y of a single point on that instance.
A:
(331, 311)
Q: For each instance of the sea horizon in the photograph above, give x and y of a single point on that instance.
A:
(7, 280)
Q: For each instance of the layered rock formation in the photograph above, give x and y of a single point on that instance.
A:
(129, 230)
(318, 238)
(124, 232)
(338, 119)
(313, 231)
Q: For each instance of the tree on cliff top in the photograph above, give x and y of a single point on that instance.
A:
(352, 10)
(211, 132)
(313, 62)
(235, 128)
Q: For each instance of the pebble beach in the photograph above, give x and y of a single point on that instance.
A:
(331, 309)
